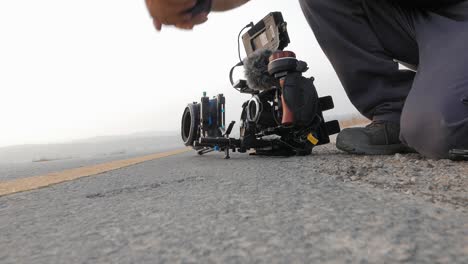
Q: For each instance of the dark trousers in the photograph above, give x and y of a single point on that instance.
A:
(362, 38)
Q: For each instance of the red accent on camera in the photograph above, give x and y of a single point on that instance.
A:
(282, 54)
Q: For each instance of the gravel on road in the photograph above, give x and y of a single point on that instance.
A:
(437, 181)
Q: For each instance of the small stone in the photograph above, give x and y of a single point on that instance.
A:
(354, 178)
(351, 171)
(413, 180)
(339, 178)
(378, 165)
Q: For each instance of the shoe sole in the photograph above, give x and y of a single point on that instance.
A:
(374, 150)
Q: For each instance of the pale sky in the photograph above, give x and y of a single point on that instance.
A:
(78, 69)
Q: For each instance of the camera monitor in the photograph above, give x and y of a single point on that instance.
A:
(270, 33)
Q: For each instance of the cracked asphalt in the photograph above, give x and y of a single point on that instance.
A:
(326, 208)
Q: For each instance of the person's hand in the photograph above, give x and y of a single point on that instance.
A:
(197, 20)
(173, 12)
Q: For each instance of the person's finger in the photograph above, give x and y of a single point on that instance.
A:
(157, 24)
(184, 27)
(199, 19)
(181, 17)
(189, 25)
(174, 19)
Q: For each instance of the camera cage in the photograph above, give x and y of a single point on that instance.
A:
(204, 126)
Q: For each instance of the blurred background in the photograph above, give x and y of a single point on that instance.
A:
(71, 70)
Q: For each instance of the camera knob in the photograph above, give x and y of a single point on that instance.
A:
(282, 54)
(282, 62)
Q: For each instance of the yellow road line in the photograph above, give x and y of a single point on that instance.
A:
(35, 182)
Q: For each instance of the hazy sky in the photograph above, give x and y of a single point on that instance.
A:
(77, 69)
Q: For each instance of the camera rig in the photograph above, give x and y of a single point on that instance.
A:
(283, 117)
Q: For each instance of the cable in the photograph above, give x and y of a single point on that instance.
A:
(251, 24)
(232, 71)
(240, 63)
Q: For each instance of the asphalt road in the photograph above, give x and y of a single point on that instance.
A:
(190, 209)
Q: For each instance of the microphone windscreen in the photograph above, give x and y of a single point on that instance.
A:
(256, 70)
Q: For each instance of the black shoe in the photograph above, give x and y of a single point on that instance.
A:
(378, 138)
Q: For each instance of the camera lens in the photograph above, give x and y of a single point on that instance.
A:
(254, 109)
(186, 125)
(189, 124)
